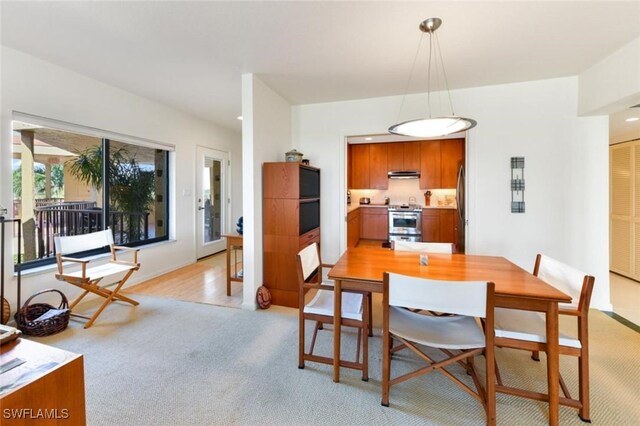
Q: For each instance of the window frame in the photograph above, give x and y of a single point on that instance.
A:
(105, 140)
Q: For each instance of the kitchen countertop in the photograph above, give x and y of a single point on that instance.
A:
(353, 207)
(439, 207)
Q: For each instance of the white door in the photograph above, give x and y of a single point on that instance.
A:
(211, 200)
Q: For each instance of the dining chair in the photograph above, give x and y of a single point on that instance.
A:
(459, 337)
(355, 307)
(526, 330)
(443, 248)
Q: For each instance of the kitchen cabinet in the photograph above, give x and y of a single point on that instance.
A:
(430, 225)
(439, 225)
(451, 156)
(374, 223)
(378, 178)
(368, 166)
(403, 156)
(439, 163)
(430, 164)
(353, 228)
(359, 166)
(447, 226)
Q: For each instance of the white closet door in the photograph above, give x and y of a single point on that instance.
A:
(622, 244)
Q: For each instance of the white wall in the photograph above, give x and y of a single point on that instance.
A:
(613, 83)
(266, 136)
(33, 86)
(565, 172)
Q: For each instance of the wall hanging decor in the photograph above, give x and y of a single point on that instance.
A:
(517, 184)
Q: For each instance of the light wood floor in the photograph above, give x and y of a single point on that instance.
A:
(204, 282)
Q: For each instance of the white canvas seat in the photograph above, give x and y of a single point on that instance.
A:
(89, 278)
(527, 325)
(322, 304)
(459, 337)
(527, 331)
(355, 311)
(454, 332)
(440, 248)
(101, 271)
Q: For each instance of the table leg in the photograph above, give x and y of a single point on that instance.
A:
(228, 268)
(337, 316)
(553, 362)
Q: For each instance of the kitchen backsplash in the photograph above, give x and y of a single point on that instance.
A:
(401, 190)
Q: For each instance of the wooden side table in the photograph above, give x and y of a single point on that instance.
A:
(234, 243)
(47, 389)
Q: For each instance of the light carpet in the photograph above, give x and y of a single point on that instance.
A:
(168, 362)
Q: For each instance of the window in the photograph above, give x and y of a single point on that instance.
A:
(67, 183)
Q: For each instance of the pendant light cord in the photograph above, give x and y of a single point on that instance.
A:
(413, 66)
(444, 73)
(429, 74)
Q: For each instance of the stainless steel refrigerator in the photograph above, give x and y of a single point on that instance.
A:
(460, 195)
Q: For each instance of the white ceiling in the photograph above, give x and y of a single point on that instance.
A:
(190, 55)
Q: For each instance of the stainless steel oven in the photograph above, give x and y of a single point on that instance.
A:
(405, 223)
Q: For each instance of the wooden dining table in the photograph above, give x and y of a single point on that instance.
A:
(362, 269)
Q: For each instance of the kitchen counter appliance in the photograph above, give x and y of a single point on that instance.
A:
(405, 222)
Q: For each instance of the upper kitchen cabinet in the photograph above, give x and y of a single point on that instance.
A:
(403, 156)
(451, 157)
(430, 164)
(368, 166)
(359, 166)
(439, 163)
(378, 178)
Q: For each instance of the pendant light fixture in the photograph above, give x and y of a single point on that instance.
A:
(432, 126)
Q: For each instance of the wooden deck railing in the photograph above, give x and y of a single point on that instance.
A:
(83, 218)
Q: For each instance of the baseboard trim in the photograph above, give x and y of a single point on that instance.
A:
(623, 321)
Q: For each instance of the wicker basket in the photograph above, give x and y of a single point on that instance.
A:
(6, 311)
(27, 317)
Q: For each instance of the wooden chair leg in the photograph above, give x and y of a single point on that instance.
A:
(386, 367)
(498, 376)
(535, 355)
(365, 340)
(358, 344)
(300, 339)
(313, 338)
(78, 299)
(370, 315)
(583, 386)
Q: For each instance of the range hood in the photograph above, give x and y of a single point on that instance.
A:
(404, 174)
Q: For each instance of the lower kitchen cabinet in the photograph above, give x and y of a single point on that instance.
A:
(430, 225)
(374, 223)
(353, 228)
(439, 225)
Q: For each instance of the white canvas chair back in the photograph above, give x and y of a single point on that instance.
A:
(444, 248)
(78, 243)
(309, 260)
(455, 297)
(563, 277)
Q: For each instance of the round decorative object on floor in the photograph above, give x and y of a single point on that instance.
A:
(6, 311)
(263, 297)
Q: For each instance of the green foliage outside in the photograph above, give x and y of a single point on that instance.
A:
(131, 189)
(57, 181)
